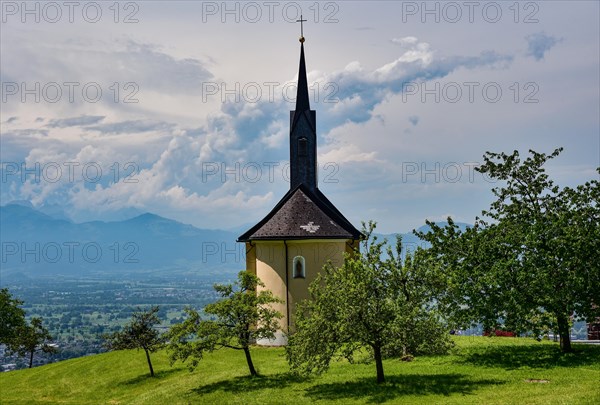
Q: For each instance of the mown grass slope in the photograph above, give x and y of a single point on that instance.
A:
(479, 371)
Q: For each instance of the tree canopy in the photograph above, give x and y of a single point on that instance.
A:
(375, 301)
(241, 317)
(139, 333)
(17, 334)
(532, 261)
(12, 316)
(31, 338)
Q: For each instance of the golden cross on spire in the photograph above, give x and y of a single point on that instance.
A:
(301, 21)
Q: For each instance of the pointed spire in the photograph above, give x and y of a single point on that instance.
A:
(303, 135)
(302, 100)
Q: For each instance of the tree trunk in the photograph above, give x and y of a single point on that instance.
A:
(149, 363)
(378, 364)
(249, 360)
(31, 358)
(564, 332)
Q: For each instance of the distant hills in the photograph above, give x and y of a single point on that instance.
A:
(410, 241)
(34, 243)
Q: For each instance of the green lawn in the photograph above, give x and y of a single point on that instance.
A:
(480, 370)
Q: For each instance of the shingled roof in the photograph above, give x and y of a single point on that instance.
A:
(302, 214)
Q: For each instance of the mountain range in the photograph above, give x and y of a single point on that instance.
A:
(34, 243)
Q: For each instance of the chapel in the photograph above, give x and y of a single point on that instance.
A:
(289, 247)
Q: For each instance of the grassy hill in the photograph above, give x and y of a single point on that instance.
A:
(480, 370)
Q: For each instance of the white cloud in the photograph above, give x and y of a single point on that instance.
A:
(171, 133)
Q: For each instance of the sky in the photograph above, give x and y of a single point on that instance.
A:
(181, 108)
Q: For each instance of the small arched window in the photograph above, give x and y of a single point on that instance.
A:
(302, 147)
(298, 267)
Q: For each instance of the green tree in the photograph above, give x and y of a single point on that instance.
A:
(535, 257)
(32, 338)
(12, 317)
(139, 333)
(242, 316)
(374, 302)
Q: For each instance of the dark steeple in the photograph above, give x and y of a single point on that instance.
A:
(303, 133)
(304, 212)
(302, 101)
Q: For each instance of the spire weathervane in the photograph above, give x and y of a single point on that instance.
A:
(301, 21)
